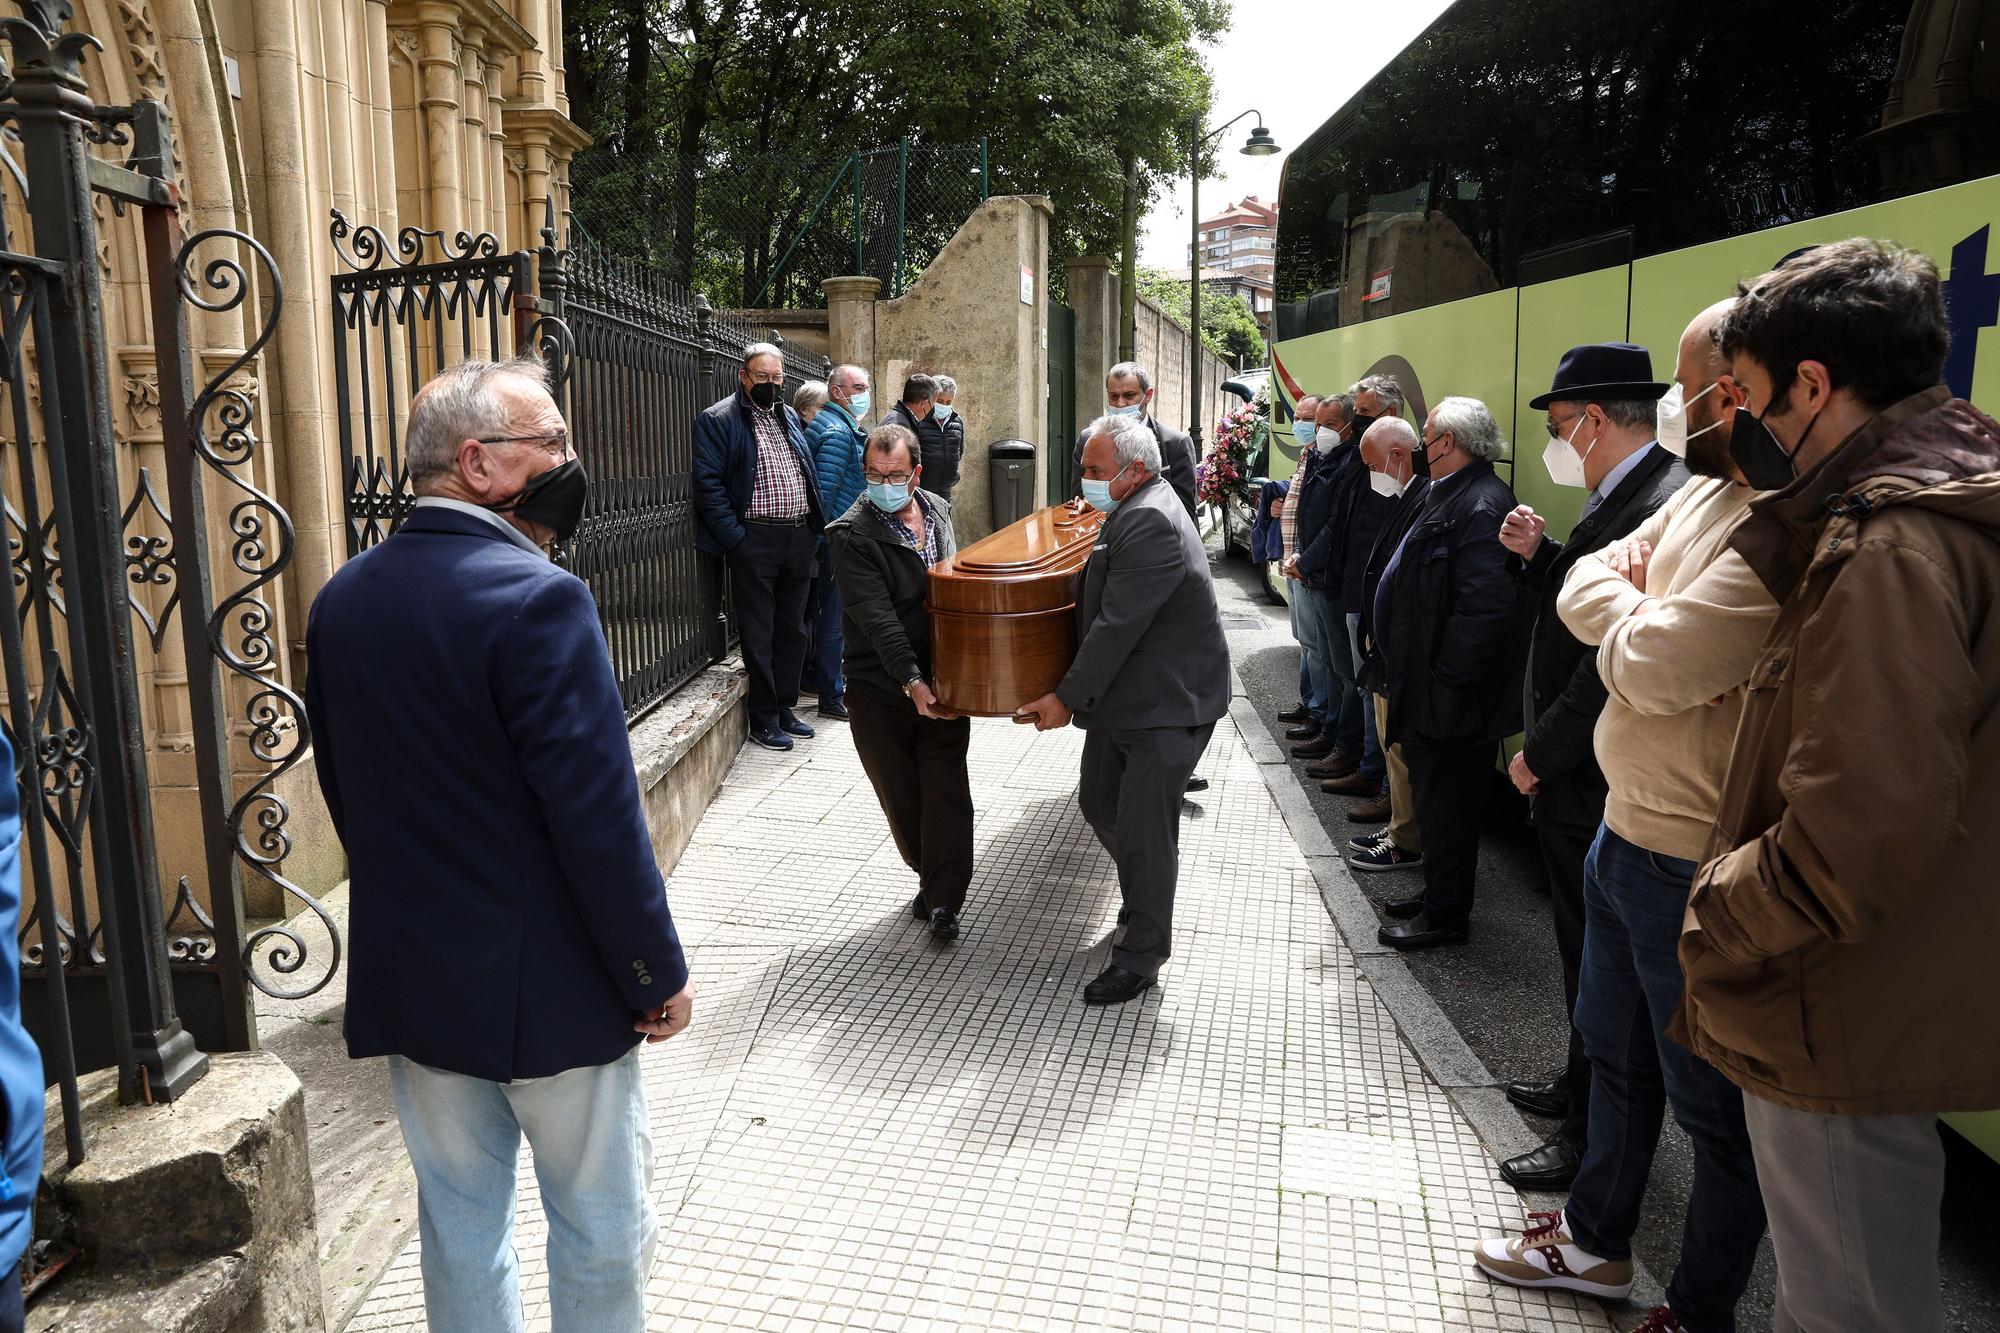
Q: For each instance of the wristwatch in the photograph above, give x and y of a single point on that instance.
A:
(910, 685)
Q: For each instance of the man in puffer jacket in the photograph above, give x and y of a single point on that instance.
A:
(20, 1065)
(835, 439)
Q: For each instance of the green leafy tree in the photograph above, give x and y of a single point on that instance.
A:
(1228, 326)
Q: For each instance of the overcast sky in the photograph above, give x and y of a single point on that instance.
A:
(1296, 61)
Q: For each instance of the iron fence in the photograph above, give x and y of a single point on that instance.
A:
(634, 357)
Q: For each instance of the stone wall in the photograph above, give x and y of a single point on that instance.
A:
(979, 313)
(1161, 345)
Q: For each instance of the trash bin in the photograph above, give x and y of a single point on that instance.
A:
(1010, 471)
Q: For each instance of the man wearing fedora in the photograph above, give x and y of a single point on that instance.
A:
(1601, 411)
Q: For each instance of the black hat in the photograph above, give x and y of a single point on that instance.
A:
(1598, 371)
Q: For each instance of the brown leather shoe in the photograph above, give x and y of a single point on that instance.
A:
(1337, 764)
(1317, 748)
(1376, 811)
(1352, 785)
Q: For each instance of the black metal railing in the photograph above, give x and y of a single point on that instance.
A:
(107, 573)
(634, 357)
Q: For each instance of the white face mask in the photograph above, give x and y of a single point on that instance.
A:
(1325, 438)
(1386, 485)
(1565, 465)
(1670, 420)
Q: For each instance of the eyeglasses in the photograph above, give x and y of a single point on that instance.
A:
(1559, 429)
(755, 378)
(557, 442)
(888, 479)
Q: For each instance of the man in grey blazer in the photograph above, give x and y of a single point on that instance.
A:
(1150, 680)
(1128, 392)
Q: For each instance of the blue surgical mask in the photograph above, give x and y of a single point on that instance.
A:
(1130, 410)
(858, 405)
(942, 412)
(1302, 430)
(1097, 494)
(889, 499)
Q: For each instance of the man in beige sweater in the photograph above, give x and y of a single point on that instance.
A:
(1678, 618)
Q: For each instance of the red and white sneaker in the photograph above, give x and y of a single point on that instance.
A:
(1544, 1256)
(1661, 1320)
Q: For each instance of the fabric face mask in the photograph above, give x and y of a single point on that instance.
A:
(554, 499)
(1565, 465)
(1670, 424)
(1097, 494)
(1420, 460)
(1385, 485)
(890, 499)
(765, 394)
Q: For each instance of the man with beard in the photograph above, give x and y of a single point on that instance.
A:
(1678, 618)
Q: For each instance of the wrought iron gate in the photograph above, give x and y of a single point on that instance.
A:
(111, 972)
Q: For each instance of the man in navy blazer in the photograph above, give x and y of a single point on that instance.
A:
(510, 942)
(758, 501)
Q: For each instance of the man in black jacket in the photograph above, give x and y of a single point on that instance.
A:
(1601, 413)
(1389, 449)
(917, 413)
(1453, 628)
(1128, 392)
(912, 750)
(1359, 511)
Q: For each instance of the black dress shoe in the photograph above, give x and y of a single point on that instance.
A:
(1404, 908)
(1419, 933)
(1544, 1096)
(833, 708)
(789, 724)
(1115, 985)
(918, 911)
(1549, 1167)
(1197, 783)
(770, 737)
(1305, 731)
(1317, 748)
(944, 924)
(1294, 715)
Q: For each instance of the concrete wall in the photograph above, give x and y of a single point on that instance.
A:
(1161, 345)
(965, 317)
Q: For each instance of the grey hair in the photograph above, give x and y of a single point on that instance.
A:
(1130, 370)
(1343, 401)
(1131, 438)
(1471, 425)
(884, 439)
(458, 405)
(844, 374)
(1627, 412)
(946, 386)
(755, 350)
(1385, 388)
(1394, 431)
(810, 396)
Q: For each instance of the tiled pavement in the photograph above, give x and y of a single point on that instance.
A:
(863, 1130)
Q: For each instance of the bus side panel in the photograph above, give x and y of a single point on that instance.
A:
(1556, 316)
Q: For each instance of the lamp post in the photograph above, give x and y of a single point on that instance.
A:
(1259, 144)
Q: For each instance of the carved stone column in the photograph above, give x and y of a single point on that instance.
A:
(381, 104)
(438, 59)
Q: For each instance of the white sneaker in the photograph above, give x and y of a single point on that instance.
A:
(1544, 1256)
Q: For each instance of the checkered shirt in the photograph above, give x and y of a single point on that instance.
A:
(929, 550)
(780, 488)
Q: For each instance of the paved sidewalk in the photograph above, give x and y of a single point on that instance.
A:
(863, 1130)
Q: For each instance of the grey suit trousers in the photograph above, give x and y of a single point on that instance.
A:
(1131, 792)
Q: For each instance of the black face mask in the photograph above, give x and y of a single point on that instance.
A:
(1361, 422)
(554, 499)
(765, 394)
(1420, 460)
(1766, 464)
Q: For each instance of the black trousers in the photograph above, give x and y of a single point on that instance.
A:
(1130, 791)
(1451, 785)
(1563, 852)
(770, 573)
(917, 766)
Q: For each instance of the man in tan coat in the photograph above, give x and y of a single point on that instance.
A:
(1840, 943)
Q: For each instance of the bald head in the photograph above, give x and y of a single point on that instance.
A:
(1710, 394)
(1700, 347)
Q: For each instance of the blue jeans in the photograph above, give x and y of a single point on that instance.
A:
(1341, 670)
(1310, 693)
(828, 638)
(593, 1159)
(1630, 984)
(1309, 611)
(1373, 766)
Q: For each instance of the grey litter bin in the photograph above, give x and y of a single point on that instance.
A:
(1010, 470)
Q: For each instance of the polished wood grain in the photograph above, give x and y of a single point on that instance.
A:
(1003, 612)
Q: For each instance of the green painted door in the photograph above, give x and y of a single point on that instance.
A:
(1062, 400)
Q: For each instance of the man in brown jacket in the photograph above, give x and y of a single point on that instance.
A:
(1839, 941)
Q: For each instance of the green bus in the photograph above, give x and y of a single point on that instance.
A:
(1526, 177)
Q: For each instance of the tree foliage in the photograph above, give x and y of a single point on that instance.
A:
(719, 123)
(1228, 326)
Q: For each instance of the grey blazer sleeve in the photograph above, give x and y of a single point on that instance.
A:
(1143, 566)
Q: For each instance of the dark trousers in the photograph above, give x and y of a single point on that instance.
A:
(1451, 784)
(1633, 902)
(770, 571)
(13, 1315)
(917, 766)
(827, 636)
(1563, 851)
(1130, 793)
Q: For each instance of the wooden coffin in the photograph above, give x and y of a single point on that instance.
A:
(1003, 612)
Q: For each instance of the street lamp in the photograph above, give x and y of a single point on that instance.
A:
(1259, 144)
